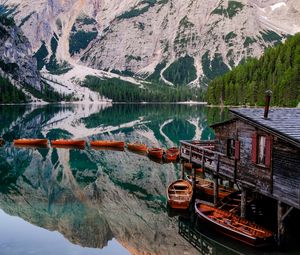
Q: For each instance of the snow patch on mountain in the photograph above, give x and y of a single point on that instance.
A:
(278, 5)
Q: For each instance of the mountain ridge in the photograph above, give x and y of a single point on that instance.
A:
(177, 42)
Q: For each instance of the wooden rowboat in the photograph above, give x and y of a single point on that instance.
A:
(1, 142)
(233, 226)
(137, 147)
(102, 148)
(66, 143)
(189, 167)
(172, 154)
(37, 142)
(156, 153)
(180, 194)
(108, 143)
(208, 187)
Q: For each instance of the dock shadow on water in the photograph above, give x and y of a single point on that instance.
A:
(88, 201)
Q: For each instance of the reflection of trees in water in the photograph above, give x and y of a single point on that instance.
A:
(91, 196)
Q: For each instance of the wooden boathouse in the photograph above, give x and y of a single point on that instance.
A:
(259, 151)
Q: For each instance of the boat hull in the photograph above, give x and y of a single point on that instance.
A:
(172, 154)
(180, 194)
(107, 143)
(37, 142)
(156, 153)
(207, 187)
(67, 143)
(137, 147)
(227, 227)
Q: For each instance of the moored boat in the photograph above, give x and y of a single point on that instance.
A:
(172, 154)
(1, 142)
(137, 147)
(103, 148)
(25, 141)
(189, 167)
(67, 143)
(108, 143)
(156, 153)
(233, 226)
(207, 187)
(180, 194)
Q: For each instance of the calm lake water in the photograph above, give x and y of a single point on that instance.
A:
(61, 201)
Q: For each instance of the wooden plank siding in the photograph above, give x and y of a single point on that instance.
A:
(251, 175)
(286, 172)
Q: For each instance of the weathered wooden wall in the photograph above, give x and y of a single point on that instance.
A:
(252, 175)
(286, 172)
(224, 132)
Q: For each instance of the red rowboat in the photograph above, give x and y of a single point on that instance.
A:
(108, 143)
(180, 194)
(137, 147)
(156, 152)
(31, 142)
(233, 226)
(102, 148)
(172, 154)
(65, 142)
(207, 187)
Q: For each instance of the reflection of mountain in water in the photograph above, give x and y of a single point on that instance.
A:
(91, 196)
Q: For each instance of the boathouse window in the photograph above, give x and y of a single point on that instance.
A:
(261, 150)
(233, 148)
(230, 147)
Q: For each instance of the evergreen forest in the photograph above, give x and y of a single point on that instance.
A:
(9, 93)
(277, 70)
(122, 91)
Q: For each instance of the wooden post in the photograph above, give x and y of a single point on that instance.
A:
(243, 202)
(221, 181)
(182, 169)
(194, 177)
(280, 225)
(216, 190)
(203, 159)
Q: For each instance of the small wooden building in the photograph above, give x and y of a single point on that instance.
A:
(259, 151)
(265, 152)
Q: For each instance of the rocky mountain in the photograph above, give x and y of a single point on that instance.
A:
(180, 42)
(17, 63)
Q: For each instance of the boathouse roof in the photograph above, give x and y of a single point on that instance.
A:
(282, 122)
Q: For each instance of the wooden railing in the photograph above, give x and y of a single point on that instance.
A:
(203, 153)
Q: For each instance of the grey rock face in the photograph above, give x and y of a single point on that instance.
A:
(136, 36)
(16, 56)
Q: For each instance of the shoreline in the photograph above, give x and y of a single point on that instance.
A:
(101, 103)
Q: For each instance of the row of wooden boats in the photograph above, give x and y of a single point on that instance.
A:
(180, 195)
(170, 154)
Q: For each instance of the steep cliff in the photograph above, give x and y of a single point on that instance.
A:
(202, 38)
(17, 64)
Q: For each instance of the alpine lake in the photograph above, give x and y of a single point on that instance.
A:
(88, 201)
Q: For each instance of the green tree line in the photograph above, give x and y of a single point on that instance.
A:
(9, 93)
(122, 91)
(278, 69)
